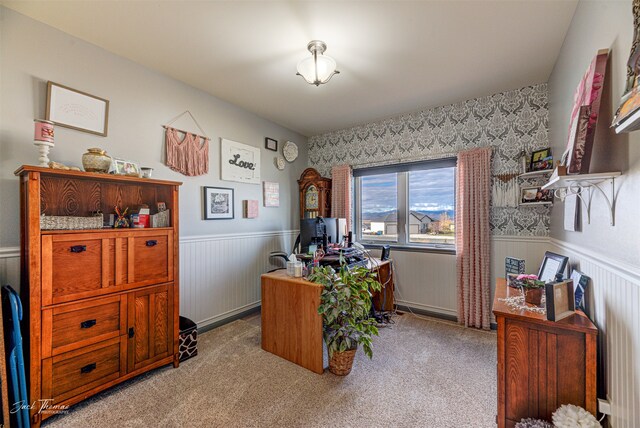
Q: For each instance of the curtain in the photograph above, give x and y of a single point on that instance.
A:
(473, 194)
(341, 177)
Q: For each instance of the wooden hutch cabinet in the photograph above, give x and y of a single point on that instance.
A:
(315, 194)
(542, 364)
(102, 304)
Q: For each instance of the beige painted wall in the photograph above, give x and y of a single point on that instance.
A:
(597, 25)
(141, 100)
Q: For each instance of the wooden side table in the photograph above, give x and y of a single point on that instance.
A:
(542, 364)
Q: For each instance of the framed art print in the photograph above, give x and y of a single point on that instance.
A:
(218, 203)
(271, 144)
(77, 110)
(271, 194)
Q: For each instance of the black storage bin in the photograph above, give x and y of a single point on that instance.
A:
(188, 339)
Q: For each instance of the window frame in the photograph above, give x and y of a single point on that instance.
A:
(402, 171)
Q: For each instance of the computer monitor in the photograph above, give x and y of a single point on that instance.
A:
(312, 229)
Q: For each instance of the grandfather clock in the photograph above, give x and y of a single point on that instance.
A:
(315, 194)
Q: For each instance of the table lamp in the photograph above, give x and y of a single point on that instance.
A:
(43, 138)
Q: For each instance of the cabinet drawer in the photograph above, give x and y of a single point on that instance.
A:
(70, 374)
(151, 258)
(78, 265)
(68, 327)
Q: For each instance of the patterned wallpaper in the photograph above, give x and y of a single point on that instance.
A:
(510, 122)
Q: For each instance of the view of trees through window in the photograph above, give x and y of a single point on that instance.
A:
(428, 216)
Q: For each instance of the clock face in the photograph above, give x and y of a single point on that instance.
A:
(311, 198)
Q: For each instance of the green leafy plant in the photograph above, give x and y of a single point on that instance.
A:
(345, 305)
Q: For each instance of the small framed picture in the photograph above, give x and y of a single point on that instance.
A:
(580, 283)
(218, 203)
(552, 265)
(541, 160)
(125, 167)
(161, 206)
(560, 300)
(271, 144)
(535, 195)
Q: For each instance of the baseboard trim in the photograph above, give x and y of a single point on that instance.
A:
(227, 317)
(428, 308)
(428, 313)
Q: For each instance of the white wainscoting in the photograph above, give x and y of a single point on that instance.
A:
(427, 281)
(614, 294)
(10, 267)
(220, 274)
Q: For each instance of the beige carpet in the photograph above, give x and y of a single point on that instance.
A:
(425, 373)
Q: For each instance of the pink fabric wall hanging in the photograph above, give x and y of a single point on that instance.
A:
(189, 156)
(473, 194)
(341, 177)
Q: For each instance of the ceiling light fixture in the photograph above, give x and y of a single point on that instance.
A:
(318, 68)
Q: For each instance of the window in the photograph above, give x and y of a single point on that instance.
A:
(409, 205)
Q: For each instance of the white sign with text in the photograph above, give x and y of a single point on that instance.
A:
(240, 162)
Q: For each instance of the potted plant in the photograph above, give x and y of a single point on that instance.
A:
(532, 288)
(345, 304)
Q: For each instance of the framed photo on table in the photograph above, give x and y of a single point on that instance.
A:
(218, 203)
(77, 110)
(559, 299)
(552, 265)
(535, 195)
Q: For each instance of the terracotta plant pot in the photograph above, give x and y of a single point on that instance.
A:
(533, 296)
(340, 363)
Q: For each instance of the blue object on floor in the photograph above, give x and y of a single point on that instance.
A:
(16, 378)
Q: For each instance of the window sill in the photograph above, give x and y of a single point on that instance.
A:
(411, 248)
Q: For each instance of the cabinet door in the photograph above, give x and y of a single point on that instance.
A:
(150, 325)
(152, 257)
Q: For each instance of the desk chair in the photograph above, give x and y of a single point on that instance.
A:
(277, 255)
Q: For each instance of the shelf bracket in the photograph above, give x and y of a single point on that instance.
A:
(606, 187)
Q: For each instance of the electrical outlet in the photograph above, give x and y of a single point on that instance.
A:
(604, 406)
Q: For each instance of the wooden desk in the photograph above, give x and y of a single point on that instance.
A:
(542, 364)
(291, 325)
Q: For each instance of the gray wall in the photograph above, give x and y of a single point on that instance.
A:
(141, 100)
(597, 25)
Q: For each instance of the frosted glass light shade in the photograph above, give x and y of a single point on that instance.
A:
(317, 69)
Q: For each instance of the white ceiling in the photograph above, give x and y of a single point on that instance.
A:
(394, 56)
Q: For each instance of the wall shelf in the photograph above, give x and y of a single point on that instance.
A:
(578, 185)
(535, 173)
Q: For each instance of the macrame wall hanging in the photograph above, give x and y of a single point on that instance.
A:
(505, 190)
(189, 156)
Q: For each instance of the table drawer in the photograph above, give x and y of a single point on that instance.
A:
(76, 325)
(72, 373)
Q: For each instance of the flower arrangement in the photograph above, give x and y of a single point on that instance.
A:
(529, 281)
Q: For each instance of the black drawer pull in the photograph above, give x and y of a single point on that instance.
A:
(88, 368)
(152, 243)
(78, 248)
(87, 323)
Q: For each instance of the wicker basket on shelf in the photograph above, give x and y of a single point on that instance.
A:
(57, 222)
